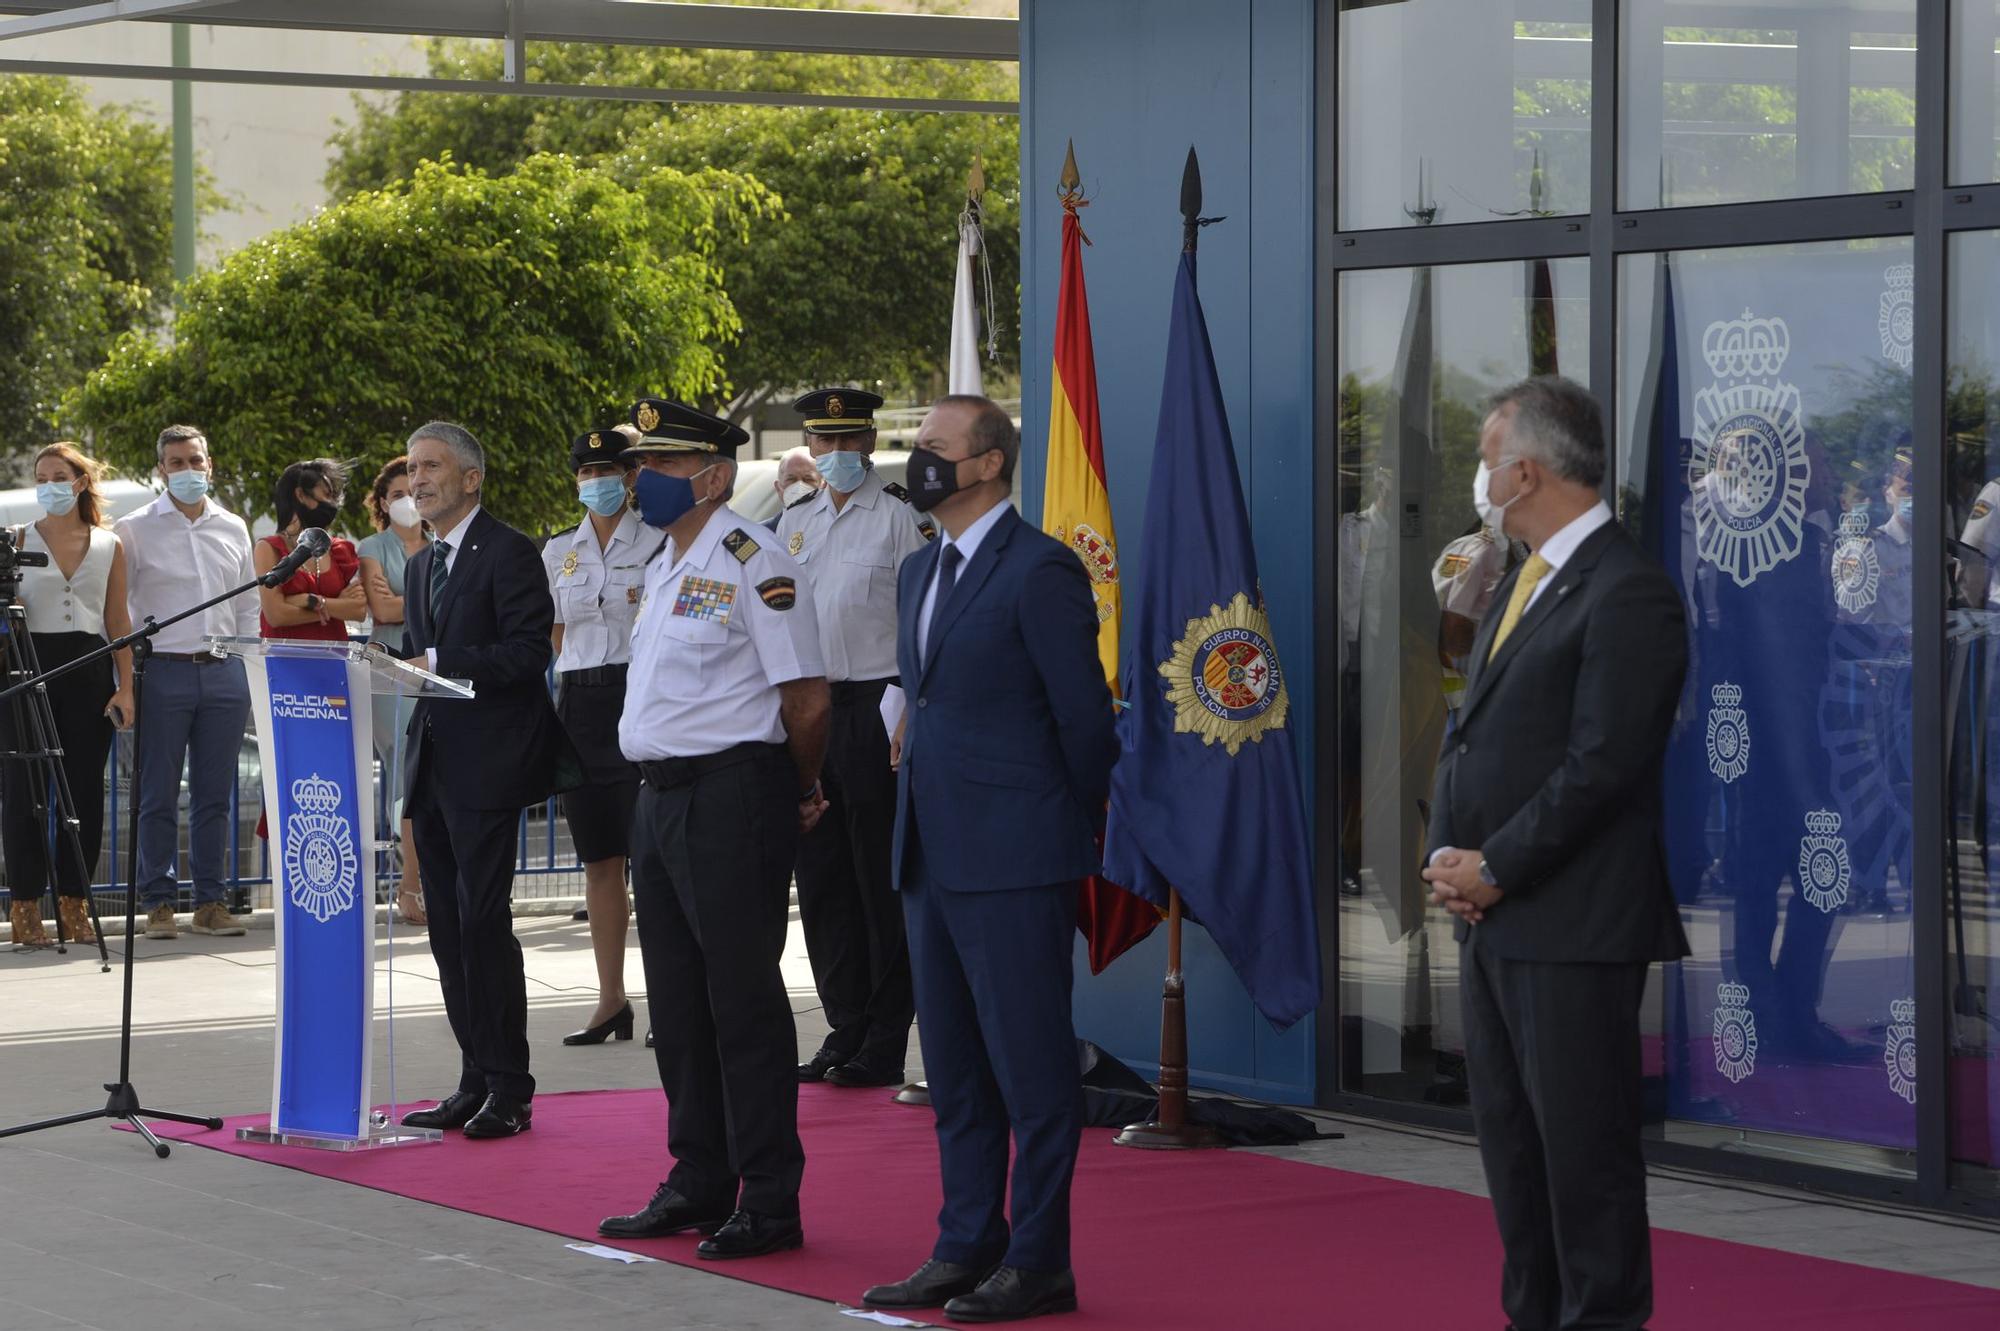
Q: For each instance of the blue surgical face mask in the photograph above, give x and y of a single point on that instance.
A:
(603, 495)
(190, 487)
(56, 497)
(844, 471)
(1906, 509)
(663, 499)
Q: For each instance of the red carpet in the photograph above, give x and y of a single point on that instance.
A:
(1204, 1240)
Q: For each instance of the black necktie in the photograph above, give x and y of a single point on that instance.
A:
(440, 575)
(949, 559)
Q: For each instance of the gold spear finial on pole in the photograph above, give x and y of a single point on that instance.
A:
(975, 179)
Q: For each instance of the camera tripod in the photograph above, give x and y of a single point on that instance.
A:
(40, 747)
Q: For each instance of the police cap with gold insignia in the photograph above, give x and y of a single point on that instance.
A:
(598, 446)
(838, 410)
(666, 426)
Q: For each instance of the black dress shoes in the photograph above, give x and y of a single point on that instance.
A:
(935, 1284)
(816, 1068)
(619, 1026)
(454, 1111)
(501, 1116)
(668, 1213)
(1010, 1294)
(862, 1072)
(751, 1235)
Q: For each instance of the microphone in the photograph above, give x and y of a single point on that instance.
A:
(313, 542)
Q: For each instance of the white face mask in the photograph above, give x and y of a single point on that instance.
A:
(798, 490)
(403, 512)
(1492, 514)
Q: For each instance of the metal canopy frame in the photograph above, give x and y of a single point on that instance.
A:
(519, 22)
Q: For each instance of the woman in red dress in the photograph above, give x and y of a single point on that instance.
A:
(326, 595)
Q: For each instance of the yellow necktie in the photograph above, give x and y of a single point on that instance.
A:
(1532, 574)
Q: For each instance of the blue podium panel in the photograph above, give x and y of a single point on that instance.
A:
(313, 723)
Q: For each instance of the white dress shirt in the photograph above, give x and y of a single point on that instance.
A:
(850, 554)
(173, 563)
(597, 590)
(719, 629)
(1556, 551)
(968, 542)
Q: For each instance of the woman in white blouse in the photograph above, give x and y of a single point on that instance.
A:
(74, 605)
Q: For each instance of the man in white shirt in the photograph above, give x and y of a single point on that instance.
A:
(180, 551)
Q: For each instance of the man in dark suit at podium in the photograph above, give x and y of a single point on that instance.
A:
(478, 610)
(1545, 843)
(1005, 765)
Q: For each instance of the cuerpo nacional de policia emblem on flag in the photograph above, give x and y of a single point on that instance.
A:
(1748, 472)
(1900, 1054)
(1223, 679)
(1897, 319)
(1825, 874)
(1735, 1030)
(1728, 733)
(1857, 569)
(321, 868)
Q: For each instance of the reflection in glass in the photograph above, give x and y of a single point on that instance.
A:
(1765, 402)
(1722, 107)
(1455, 112)
(1420, 349)
(1972, 859)
(1975, 92)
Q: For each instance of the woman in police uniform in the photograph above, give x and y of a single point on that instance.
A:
(595, 573)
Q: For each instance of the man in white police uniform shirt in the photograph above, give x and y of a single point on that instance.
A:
(726, 717)
(849, 541)
(596, 571)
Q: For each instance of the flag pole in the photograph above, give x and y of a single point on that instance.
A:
(1170, 1129)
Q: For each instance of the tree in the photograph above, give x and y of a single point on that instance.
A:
(528, 307)
(86, 242)
(853, 280)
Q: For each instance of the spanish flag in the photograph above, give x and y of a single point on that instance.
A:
(1076, 510)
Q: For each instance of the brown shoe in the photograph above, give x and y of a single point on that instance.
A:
(215, 919)
(160, 924)
(26, 917)
(75, 914)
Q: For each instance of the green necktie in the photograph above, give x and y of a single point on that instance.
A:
(440, 575)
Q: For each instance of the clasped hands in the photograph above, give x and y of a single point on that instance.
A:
(1456, 885)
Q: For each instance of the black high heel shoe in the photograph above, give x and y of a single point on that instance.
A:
(619, 1027)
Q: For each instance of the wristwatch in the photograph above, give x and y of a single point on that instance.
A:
(1486, 875)
(810, 793)
(312, 600)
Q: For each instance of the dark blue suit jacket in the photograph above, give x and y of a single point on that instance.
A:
(1008, 743)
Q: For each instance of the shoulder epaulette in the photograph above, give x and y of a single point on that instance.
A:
(895, 491)
(738, 543)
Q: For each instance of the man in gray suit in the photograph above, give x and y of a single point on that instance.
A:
(1545, 844)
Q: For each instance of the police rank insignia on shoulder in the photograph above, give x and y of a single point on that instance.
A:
(796, 544)
(738, 543)
(779, 593)
(895, 491)
(705, 598)
(569, 563)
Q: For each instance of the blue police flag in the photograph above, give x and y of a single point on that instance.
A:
(1205, 797)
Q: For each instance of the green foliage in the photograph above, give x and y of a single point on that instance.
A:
(852, 281)
(526, 307)
(86, 242)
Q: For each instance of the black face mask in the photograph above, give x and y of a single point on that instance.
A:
(318, 515)
(932, 479)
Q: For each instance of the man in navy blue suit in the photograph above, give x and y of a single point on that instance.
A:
(1003, 770)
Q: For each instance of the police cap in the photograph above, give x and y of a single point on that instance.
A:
(666, 426)
(838, 410)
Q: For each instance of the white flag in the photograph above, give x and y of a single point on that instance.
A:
(965, 312)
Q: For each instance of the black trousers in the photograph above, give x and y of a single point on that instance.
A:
(467, 856)
(847, 906)
(84, 733)
(711, 879)
(1552, 1052)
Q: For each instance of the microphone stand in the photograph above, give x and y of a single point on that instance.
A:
(123, 1103)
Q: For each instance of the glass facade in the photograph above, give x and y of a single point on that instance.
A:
(1720, 106)
(1802, 378)
(1474, 112)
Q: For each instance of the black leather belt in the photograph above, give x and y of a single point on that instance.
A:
(673, 773)
(193, 658)
(604, 674)
(852, 691)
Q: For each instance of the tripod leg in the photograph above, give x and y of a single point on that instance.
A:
(62, 1122)
(160, 1148)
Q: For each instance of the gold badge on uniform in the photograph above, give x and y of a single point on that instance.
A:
(835, 407)
(597, 441)
(797, 543)
(647, 416)
(631, 596)
(569, 563)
